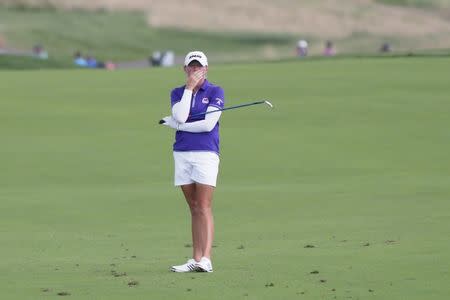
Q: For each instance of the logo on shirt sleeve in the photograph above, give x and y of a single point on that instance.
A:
(219, 101)
(205, 100)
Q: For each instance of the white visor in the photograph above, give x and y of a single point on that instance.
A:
(196, 55)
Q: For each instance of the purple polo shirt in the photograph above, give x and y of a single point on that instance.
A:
(208, 95)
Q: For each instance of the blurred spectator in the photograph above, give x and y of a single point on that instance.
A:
(167, 59)
(155, 59)
(302, 48)
(386, 47)
(79, 60)
(162, 59)
(91, 62)
(39, 52)
(109, 65)
(329, 49)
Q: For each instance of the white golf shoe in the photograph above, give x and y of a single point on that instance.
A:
(190, 266)
(204, 265)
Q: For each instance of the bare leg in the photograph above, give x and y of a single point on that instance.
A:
(189, 193)
(204, 216)
(199, 198)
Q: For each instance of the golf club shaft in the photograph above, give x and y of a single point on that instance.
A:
(222, 109)
(227, 108)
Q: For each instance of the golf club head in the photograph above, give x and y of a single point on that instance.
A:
(268, 103)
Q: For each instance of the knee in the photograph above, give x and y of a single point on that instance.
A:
(199, 209)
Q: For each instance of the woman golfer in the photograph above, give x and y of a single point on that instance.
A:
(196, 154)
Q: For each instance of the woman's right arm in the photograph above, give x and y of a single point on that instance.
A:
(180, 110)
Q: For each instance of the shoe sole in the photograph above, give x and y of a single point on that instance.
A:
(198, 270)
(201, 270)
(179, 271)
(183, 271)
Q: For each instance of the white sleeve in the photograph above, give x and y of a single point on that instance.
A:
(205, 125)
(180, 110)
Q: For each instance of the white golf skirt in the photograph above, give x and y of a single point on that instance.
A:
(196, 166)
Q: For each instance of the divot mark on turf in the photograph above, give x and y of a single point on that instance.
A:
(241, 247)
(187, 245)
(270, 284)
(314, 272)
(389, 242)
(63, 294)
(188, 290)
(366, 244)
(323, 280)
(45, 290)
(133, 283)
(118, 274)
(310, 246)
(371, 291)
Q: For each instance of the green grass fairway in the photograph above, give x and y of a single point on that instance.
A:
(354, 161)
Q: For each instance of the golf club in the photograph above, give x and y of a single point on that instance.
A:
(231, 107)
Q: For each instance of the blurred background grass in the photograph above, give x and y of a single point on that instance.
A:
(130, 31)
(120, 35)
